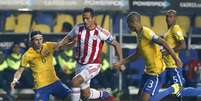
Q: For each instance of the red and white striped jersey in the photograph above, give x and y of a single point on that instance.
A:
(89, 43)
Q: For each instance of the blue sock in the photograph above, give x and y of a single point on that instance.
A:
(190, 91)
(162, 94)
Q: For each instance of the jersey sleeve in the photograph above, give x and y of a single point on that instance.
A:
(106, 36)
(74, 31)
(51, 46)
(24, 61)
(178, 33)
(152, 36)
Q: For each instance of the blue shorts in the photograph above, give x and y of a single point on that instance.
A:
(57, 89)
(149, 84)
(173, 75)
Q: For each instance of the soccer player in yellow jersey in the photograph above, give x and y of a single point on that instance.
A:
(148, 47)
(174, 38)
(39, 58)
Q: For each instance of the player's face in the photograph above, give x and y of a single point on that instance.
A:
(88, 19)
(133, 24)
(38, 41)
(170, 18)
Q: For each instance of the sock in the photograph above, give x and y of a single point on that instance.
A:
(75, 95)
(162, 94)
(104, 95)
(190, 91)
(94, 94)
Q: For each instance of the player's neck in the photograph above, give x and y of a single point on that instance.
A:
(169, 26)
(139, 30)
(91, 27)
(37, 49)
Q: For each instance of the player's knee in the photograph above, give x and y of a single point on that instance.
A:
(145, 97)
(76, 81)
(86, 94)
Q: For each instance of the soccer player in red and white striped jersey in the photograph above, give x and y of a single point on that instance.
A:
(90, 42)
(90, 39)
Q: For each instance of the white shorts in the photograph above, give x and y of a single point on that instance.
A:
(88, 72)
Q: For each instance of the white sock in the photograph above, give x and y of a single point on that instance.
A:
(94, 94)
(75, 95)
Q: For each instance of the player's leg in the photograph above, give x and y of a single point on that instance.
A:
(174, 89)
(88, 73)
(60, 90)
(148, 87)
(153, 94)
(164, 79)
(90, 93)
(75, 87)
(85, 73)
(190, 91)
(42, 94)
(145, 97)
(176, 77)
(77, 80)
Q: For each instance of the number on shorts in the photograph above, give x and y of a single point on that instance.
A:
(175, 79)
(150, 84)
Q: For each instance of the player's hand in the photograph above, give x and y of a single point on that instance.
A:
(13, 84)
(164, 52)
(71, 44)
(179, 63)
(45, 53)
(118, 67)
(59, 45)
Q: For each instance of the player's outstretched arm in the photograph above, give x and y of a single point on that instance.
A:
(118, 49)
(170, 51)
(65, 42)
(128, 59)
(180, 45)
(132, 57)
(16, 78)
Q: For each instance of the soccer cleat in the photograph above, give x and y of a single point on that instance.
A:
(176, 88)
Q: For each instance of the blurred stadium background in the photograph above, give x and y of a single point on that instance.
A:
(55, 17)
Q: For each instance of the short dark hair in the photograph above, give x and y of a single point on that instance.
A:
(35, 33)
(87, 9)
(131, 15)
(172, 11)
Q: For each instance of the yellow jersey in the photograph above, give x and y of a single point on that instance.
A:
(151, 52)
(42, 67)
(172, 36)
